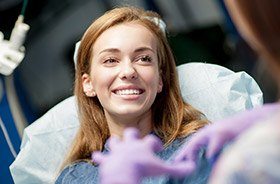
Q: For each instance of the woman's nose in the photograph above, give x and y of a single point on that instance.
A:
(128, 71)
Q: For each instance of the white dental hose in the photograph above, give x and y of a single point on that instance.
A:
(7, 138)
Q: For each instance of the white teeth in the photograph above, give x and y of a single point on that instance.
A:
(128, 92)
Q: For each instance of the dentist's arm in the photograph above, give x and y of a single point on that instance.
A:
(213, 137)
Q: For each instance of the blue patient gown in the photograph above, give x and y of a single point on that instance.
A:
(83, 172)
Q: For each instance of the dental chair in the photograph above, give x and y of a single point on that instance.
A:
(216, 91)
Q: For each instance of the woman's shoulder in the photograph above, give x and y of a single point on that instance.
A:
(78, 172)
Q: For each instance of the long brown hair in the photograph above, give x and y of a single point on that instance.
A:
(172, 117)
(263, 20)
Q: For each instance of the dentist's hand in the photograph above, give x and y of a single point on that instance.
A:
(213, 137)
(133, 158)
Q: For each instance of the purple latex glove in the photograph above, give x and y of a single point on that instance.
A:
(133, 158)
(213, 137)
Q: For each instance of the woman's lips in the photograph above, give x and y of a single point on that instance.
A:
(128, 92)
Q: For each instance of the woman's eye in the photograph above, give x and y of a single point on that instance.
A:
(110, 60)
(145, 59)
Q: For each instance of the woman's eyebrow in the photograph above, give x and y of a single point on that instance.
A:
(141, 49)
(113, 50)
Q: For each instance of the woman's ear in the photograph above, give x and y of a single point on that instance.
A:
(87, 86)
(160, 85)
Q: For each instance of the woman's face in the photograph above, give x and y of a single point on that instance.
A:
(124, 71)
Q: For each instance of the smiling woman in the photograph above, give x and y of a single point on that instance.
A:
(123, 79)
(126, 77)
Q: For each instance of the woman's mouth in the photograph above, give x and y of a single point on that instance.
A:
(128, 91)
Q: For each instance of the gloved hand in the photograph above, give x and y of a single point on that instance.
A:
(213, 137)
(133, 158)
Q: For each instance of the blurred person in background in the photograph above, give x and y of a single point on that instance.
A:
(254, 156)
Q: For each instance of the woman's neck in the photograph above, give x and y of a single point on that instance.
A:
(117, 124)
